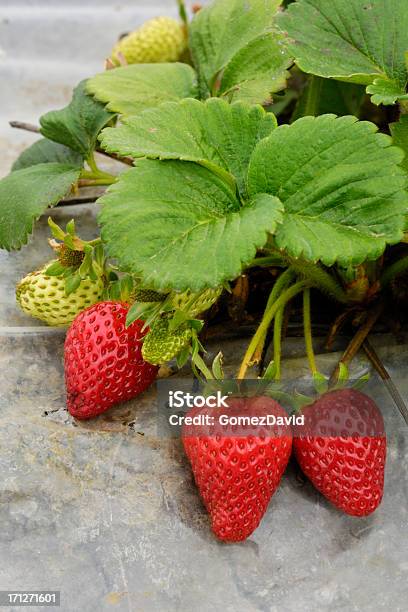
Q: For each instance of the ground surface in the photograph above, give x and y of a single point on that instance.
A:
(106, 512)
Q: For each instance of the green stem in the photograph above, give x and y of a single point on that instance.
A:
(307, 326)
(92, 182)
(95, 171)
(394, 270)
(268, 261)
(269, 314)
(277, 341)
(313, 96)
(280, 285)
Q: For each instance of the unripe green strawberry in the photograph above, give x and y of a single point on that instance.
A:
(161, 39)
(161, 345)
(195, 303)
(44, 298)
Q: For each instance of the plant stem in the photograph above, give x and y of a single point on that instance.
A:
(357, 341)
(395, 269)
(277, 341)
(313, 96)
(385, 376)
(280, 285)
(269, 314)
(97, 181)
(267, 261)
(95, 171)
(29, 127)
(22, 125)
(307, 327)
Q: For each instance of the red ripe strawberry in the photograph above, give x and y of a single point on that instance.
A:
(103, 360)
(237, 471)
(342, 450)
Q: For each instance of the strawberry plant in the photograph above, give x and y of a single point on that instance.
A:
(255, 136)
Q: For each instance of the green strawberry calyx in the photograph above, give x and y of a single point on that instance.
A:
(77, 259)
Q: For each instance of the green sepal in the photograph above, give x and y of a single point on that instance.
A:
(55, 269)
(182, 357)
(72, 283)
(217, 368)
(320, 382)
(362, 381)
(71, 227)
(55, 229)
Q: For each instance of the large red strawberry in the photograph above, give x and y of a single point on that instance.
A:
(342, 450)
(103, 360)
(237, 469)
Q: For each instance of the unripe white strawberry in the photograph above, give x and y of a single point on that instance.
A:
(44, 297)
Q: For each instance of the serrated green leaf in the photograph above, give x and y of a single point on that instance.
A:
(399, 133)
(131, 89)
(220, 136)
(362, 41)
(385, 91)
(235, 51)
(256, 71)
(26, 194)
(343, 192)
(77, 125)
(181, 227)
(46, 151)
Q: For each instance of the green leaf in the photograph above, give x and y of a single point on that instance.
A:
(256, 71)
(25, 194)
(219, 136)
(44, 151)
(77, 125)
(132, 89)
(342, 189)
(235, 51)
(181, 227)
(361, 41)
(399, 133)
